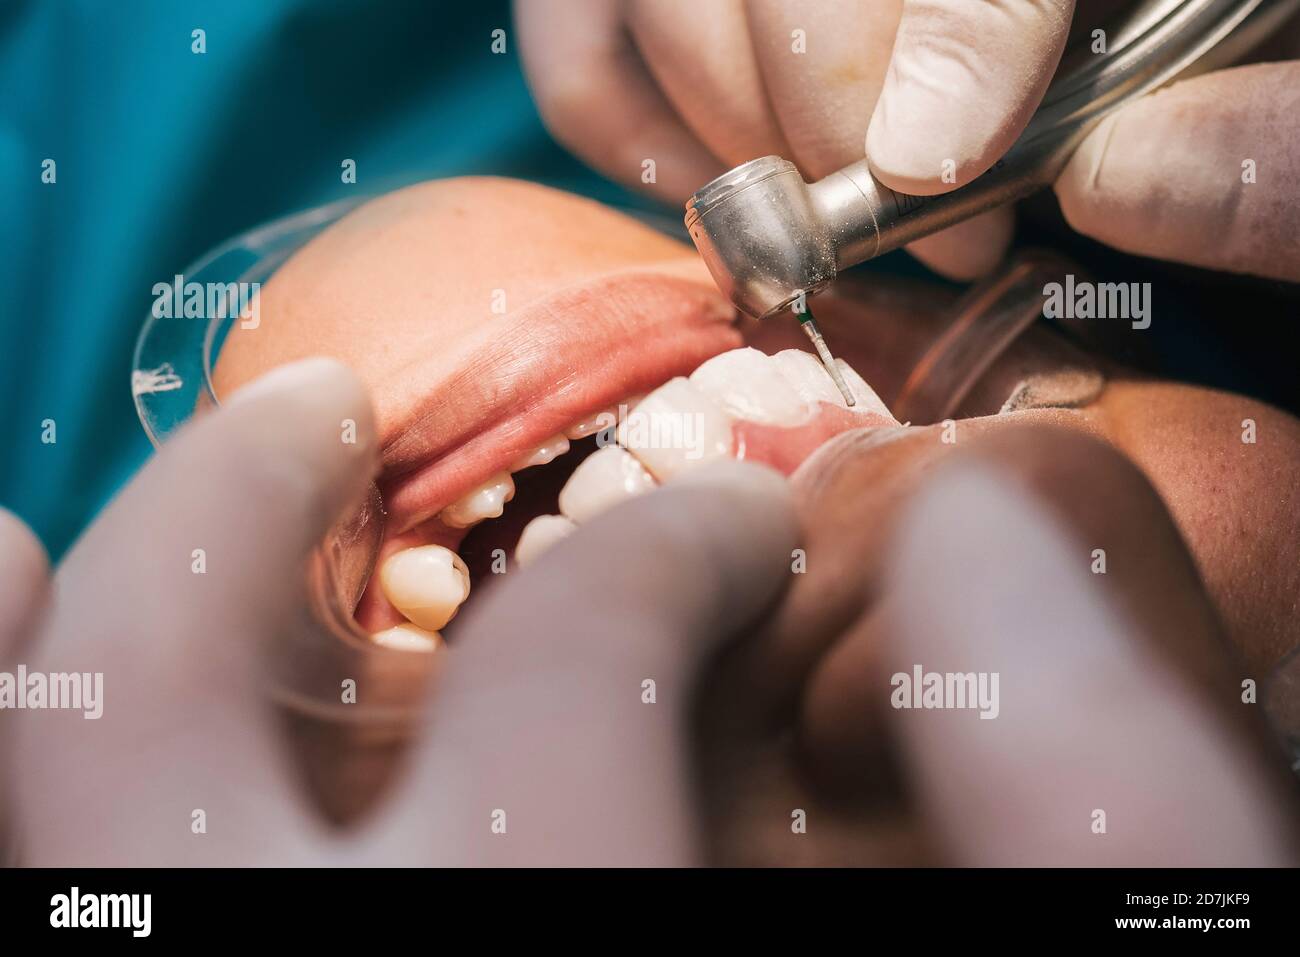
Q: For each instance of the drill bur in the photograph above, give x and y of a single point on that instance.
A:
(809, 325)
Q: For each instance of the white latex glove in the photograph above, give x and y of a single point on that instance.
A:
(186, 720)
(702, 87)
(1205, 172)
(930, 87)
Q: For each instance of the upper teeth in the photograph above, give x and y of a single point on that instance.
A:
(810, 380)
(751, 385)
(486, 501)
(591, 424)
(605, 478)
(807, 377)
(675, 427)
(680, 424)
(868, 401)
(555, 446)
(427, 584)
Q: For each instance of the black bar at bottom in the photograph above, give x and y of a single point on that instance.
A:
(333, 907)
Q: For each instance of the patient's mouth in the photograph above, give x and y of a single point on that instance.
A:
(740, 403)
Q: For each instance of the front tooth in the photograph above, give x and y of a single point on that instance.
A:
(408, 637)
(539, 535)
(427, 584)
(605, 478)
(548, 451)
(749, 385)
(868, 401)
(675, 428)
(811, 380)
(486, 501)
(808, 377)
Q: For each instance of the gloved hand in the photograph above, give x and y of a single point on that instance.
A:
(545, 743)
(937, 91)
(185, 724)
(539, 702)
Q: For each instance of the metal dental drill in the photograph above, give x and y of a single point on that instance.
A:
(769, 238)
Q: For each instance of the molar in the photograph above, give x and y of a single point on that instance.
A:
(427, 584)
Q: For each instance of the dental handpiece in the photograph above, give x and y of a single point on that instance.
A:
(771, 240)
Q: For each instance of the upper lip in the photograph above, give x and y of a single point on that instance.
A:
(529, 374)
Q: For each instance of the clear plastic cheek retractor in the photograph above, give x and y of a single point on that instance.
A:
(771, 240)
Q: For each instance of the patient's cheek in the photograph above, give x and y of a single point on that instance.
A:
(1225, 467)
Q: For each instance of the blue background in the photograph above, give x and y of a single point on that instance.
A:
(163, 153)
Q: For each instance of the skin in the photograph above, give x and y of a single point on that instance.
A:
(782, 718)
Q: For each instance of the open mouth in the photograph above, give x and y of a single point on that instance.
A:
(601, 393)
(533, 358)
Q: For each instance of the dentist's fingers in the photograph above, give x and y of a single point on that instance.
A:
(963, 82)
(823, 67)
(233, 505)
(597, 98)
(1096, 750)
(24, 587)
(823, 63)
(1202, 172)
(174, 596)
(710, 73)
(24, 583)
(559, 731)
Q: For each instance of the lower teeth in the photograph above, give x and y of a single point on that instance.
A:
(539, 535)
(427, 584)
(408, 637)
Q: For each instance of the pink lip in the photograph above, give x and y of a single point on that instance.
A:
(530, 374)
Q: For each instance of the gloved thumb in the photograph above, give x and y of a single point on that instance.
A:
(224, 516)
(24, 583)
(170, 599)
(963, 82)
